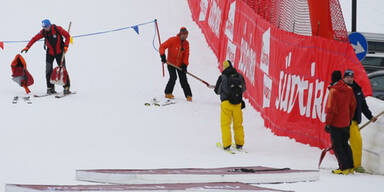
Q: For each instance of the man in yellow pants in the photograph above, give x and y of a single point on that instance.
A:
(231, 86)
(361, 107)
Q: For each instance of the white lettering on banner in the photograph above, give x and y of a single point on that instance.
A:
(267, 91)
(293, 86)
(231, 51)
(265, 50)
(230, 25)
(264, 65)
(247, 62)
(319, 92)
(203, 10)
(214, 19)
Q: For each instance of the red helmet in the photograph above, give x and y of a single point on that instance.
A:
(183, 30)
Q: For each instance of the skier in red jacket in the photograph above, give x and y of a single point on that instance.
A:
(55, 47)
(340, 109)
(178, 54)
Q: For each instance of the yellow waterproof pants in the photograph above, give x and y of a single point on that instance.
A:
(229, 112)
(356, 144)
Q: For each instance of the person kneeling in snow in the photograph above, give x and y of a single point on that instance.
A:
(55, 49)
(178, 55)
(231, 86)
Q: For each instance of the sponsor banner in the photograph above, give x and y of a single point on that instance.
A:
(255, 174)
(177, 187)
(208, 14)
(200, 171)
(287, 75)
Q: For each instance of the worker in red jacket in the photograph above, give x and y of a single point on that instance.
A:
(340, 109)
(178, 54)
(55, 46)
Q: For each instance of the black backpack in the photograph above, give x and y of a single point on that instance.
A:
(45, 34)
(235, 85)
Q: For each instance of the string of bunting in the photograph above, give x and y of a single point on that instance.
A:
(134, 27)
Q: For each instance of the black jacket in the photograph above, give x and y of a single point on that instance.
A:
(361, 104)
(222, 88)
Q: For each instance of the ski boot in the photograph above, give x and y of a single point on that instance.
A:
(51, 91)
(67, 91)
(360, 169)
(227, 148)
(169, 96)
(189, 98)
(342, 172)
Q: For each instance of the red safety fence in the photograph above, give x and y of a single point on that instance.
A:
(287, 74)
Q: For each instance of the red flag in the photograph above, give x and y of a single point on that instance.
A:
(2, 45)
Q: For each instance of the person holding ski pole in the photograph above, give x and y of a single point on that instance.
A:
(340, 109)
(178, 55)
(361, 107)
(54, 44)
(230, 86)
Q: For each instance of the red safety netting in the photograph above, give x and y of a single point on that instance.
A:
(295, 16)
(287, 74)
(338, 24)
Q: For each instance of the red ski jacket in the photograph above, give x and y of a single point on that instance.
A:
(19, 69)
(178, 51)
(341, 105)
(53, 39)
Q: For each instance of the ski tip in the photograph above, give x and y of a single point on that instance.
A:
(62, 95)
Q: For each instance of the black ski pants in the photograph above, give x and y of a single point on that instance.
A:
(49, 69)
(343, 152)
(172, 80)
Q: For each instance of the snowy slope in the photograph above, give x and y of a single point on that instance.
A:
(106, 124)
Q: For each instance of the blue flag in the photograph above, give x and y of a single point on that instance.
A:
(136, 28)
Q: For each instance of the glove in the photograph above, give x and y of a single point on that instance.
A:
(373, 119)
(327, 129)
(183, 68)
(242, 104)
(25, 50)
(65, 49)
(163, 59)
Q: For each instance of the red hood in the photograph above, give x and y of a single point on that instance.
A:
(341, 86)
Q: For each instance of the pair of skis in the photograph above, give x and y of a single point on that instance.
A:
(58, 96)
(159, 102)
(27, 99)
(232, 150)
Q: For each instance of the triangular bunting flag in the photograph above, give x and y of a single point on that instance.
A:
(2, 45)
(71, 41)
(136, 28)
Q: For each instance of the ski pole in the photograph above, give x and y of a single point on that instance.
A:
(322, 155)
(367, 123)
(62, 57)
(158, 37)
(194, 76)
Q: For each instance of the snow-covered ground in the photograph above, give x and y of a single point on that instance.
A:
(106, 125)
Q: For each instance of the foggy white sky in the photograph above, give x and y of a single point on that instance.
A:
(370, 15)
